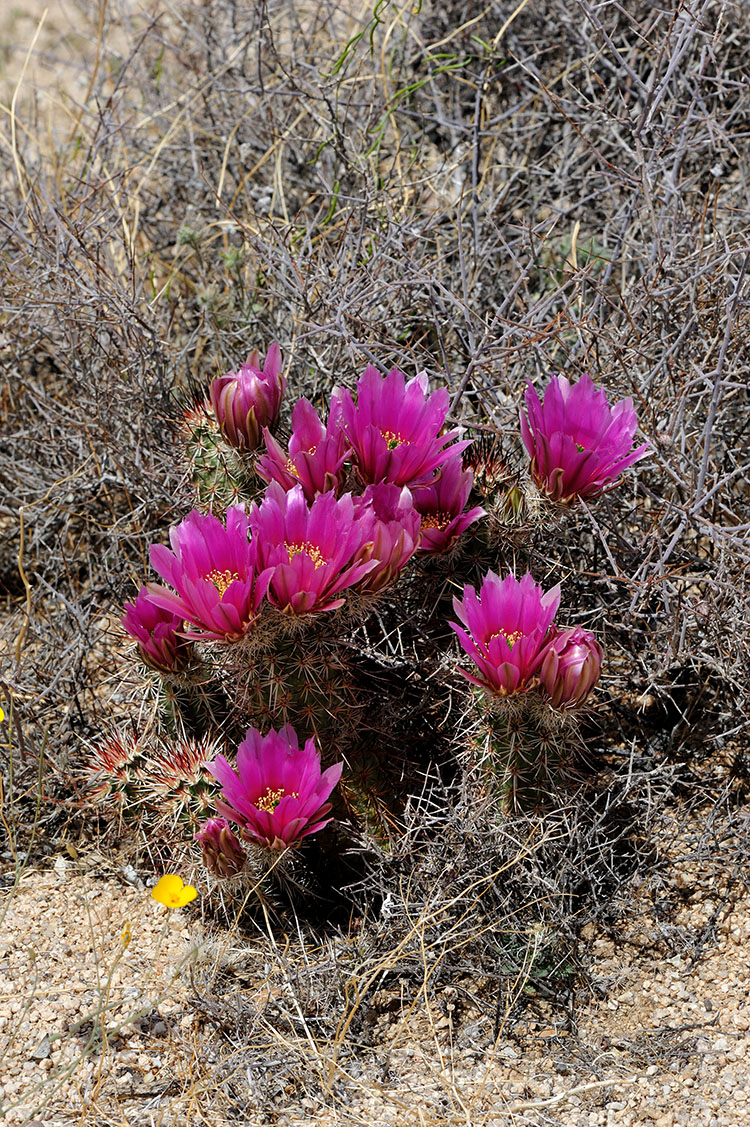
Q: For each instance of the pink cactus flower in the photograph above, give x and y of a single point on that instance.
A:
(311, 550)
(159, 634)
(507, 631)
(316, 454)
(247, 400)
(213, 570)
(578, 444)
(223, 854)
(391, 525)
(571, 667)
(394, 428)
(278, 794)
(441, 506)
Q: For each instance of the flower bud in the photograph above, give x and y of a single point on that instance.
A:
(247, 400)
(222, 853)
(156, 631)
(391, 524)
(571, 667)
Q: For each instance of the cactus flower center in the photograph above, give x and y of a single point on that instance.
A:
(394, 440)
(438, 520)
(270, 800)
(290, 466)
(309, 549)
(222, 579)
(511, 639)
(580, 448)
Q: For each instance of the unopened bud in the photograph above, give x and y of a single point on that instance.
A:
(222, 853)
(571, 667)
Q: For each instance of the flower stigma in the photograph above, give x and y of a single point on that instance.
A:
(393, 440)
(511, 639)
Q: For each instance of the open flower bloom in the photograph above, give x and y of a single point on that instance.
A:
(394, 428)
(441, 506)
(507, 631)
(212, 568)
(172, 892)
(223, 854)
(571, 667)
(316, 453)
(578, 444)
(391, 528)
(311, 550)
(158, 634)
(278, 794)
(247, 400)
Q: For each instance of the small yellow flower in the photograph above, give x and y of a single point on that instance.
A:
(126, 935)
(172, 892)
(2, 715)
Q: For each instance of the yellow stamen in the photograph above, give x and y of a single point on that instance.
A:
(290, 466)
(436, 520)
(270, 800)
(309, 549)
(393, 440)
(222, 579)
(511, 639)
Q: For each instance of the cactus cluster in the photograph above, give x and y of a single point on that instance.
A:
(305, 605)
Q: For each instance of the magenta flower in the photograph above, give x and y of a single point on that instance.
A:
(278, 794)
(571, 667)
(441, 506)
(316, 453)
(311, 550)
(507, 631)
(159, 634)
(578, 444)
(213, 570)
(394, 428)
(247, 400)
(223, 854)
(391, 529)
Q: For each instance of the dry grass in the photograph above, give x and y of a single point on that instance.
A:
(485, 193)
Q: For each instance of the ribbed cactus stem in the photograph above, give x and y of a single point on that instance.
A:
(192, 704)
(525, 753)
(301, 679)
(220, 475)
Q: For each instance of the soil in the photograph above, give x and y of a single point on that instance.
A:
(102, 1023)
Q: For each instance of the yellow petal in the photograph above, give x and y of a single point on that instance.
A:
(186, 894)
(2, 715)
(167, 888)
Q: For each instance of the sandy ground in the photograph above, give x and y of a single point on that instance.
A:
(99, 1025)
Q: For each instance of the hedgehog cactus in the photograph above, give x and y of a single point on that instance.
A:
(510, 503)
(112, 771)
(533, 674)
(303, 680)
(165, 780)
(174, 781)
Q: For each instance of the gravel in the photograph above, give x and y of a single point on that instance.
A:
(660, 1040)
